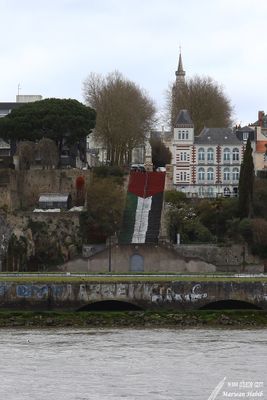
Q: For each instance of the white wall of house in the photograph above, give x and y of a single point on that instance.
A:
(202, 168)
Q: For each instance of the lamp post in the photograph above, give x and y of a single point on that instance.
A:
(109, 254)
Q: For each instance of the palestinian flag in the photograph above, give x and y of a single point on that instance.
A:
(141, 220)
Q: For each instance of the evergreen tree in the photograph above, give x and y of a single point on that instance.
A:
(161, 155)
(246, 183)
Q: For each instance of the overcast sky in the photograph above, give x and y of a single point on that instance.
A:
(51, 46)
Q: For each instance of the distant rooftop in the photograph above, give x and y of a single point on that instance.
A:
(6, 108)
(219, 136)
(28, 98)
(46, 197)
(183, 118)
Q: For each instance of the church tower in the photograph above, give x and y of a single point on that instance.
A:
(180, 73)
(177, 87)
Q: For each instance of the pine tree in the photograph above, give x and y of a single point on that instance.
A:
(246, 183)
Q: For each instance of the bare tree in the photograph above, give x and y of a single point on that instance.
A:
(48, 153)
(124, 114)
(26, 153)
(204, 99)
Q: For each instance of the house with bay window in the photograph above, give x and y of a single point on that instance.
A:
(207, 165)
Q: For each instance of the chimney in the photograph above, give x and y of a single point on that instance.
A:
(260, 117)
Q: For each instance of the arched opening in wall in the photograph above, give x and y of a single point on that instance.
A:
(110, 305)
(230, 305)
(136, 263)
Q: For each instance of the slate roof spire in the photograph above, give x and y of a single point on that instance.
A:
(180, 73)
(184, 120)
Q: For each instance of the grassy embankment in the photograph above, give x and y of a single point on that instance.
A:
(135, 319)
(124, 279)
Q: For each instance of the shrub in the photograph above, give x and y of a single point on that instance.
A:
(245, 229)
(195, 232)
(174, 197)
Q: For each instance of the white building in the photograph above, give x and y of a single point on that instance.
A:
(207, 165)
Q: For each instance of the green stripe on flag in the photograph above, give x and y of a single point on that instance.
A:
(126, 233)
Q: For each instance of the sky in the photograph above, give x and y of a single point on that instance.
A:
(49, 47)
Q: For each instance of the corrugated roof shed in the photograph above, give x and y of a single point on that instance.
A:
(53, 197)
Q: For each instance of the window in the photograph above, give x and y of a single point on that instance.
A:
(183, 156)
(182, 176)
(182, 135)
(210, 154)
(201, 174)
(235, 174)
(201, 154)
(226, 174)
(186, 134)
(210, 191)
(235, 154)
(179, 135)
(201, 191)
(210, 174)
(226, 192)
(226, 154)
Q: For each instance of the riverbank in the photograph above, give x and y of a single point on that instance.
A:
(135, 319)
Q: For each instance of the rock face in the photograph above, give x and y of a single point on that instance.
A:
(234, 256)
(5, 233)
(38, 240)
(21, 189)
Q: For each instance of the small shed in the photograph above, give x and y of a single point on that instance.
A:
(55, 200)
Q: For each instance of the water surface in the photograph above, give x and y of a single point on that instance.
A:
(129, 364)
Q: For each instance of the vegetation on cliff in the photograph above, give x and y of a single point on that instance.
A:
(104, 206)
(219, 220)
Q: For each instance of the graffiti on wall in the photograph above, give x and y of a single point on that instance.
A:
(57, 290)
(37, 291)
(168, 295)
(3, 289)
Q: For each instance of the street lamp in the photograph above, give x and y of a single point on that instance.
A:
(109, 254)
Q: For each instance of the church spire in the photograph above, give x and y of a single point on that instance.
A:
(180, 73)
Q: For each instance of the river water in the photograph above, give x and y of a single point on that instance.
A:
(129, 364)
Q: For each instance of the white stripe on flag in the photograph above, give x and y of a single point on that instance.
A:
(141, 219)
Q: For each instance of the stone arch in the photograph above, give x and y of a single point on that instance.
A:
(110, 305)
(230, 305)
(136, 263)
